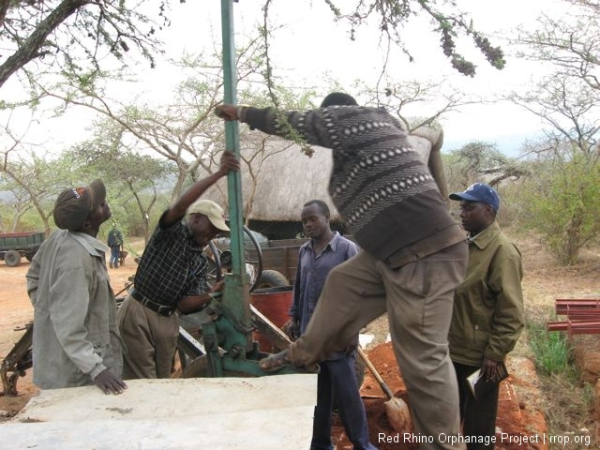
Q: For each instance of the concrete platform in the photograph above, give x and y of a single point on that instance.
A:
(273, 412)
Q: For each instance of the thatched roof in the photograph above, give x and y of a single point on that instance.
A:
(287, 178)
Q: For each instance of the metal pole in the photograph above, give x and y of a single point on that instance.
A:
(232, 138)
(236, 299)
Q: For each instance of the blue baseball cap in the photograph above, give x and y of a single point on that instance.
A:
(479, 192)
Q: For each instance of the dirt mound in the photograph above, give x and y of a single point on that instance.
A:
(517, 423)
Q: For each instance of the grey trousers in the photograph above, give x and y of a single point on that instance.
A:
(418, 298)
(149, 341)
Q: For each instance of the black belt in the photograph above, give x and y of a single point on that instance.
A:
(163, 310)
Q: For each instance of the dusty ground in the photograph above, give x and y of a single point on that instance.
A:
(520, 410)
(17, 311)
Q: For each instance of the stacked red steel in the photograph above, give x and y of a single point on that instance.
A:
(583, 316)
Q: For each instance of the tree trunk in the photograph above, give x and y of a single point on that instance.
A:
(30, 48)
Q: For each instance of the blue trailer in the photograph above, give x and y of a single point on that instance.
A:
(15, 245)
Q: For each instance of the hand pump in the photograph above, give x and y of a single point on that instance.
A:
(236, 326)
(227, 335)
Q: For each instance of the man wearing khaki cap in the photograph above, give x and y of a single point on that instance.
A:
(75, 337)
(171, 278)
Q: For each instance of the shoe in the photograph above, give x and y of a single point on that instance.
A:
(111, 265)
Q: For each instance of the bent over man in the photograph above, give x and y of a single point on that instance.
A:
(75, 338)
(171, 278)
(413, 254)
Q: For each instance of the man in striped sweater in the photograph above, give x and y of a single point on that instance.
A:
(414, 254)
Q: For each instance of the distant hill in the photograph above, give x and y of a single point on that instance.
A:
(510, 145)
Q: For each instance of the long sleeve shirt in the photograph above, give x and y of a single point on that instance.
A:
(488, 316)
(75, 335)
(379, 184)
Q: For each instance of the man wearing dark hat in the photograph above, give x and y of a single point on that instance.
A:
(487, 318)
(75, 337)
(413, 253)
(171, 278)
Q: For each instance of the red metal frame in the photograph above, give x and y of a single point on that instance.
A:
(583, 316)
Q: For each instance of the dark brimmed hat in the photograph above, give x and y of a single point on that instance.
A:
(479, 192)
(73, 205)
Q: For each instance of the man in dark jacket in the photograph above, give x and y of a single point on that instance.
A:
(115, 242)
(487, 318)
(413, 253)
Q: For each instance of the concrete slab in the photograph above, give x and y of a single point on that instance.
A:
(273, 412)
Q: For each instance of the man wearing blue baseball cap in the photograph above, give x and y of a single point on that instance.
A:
(487, 318)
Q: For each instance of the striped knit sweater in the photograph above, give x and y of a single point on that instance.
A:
(379, 184)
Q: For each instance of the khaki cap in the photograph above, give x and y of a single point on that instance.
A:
(211, 210)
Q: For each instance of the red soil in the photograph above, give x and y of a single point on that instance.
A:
(515, 420)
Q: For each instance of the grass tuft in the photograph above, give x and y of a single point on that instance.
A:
(552, 351)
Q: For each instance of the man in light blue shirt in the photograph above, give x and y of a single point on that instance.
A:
(325, 250)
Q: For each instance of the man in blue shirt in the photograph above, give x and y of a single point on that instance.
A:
(325, 250)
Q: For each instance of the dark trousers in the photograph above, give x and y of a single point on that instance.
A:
(478, 416)
(337, 378)
(114, 255)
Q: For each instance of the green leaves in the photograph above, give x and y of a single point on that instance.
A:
(449, 22)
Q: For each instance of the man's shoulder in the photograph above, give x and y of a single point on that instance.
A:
(305, 246)
(347, 243)
(344, 244)
(500, 243)
(507, 243)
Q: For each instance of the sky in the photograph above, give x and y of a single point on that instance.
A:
(310, 48)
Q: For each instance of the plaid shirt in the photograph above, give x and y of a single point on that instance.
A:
(173, 266)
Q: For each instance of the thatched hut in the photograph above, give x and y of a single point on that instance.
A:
(281, 178)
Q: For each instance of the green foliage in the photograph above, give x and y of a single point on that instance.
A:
(75, 35)
(480, 162)
(562, 202)
(551, 350)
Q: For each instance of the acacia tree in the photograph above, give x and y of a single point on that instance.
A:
(481, 162)
(403, 98)
(184, 131)
(570, 44)
(35, 179)
(15, 205)
(73, 35)
(446, 19)
(563, 199)
(565, 202)
(133, 178)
